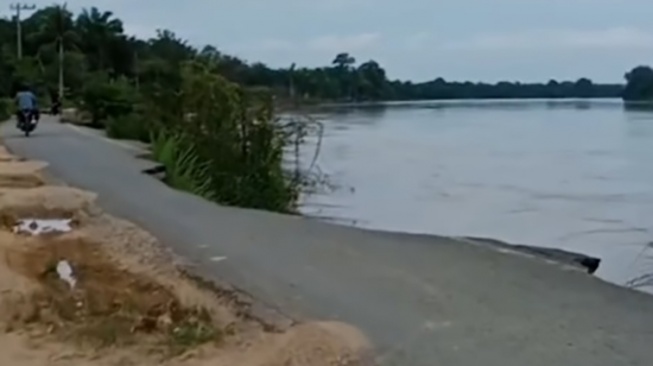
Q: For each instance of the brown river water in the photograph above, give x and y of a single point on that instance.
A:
(576, 175)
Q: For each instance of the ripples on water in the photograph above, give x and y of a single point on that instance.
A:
(575, 175)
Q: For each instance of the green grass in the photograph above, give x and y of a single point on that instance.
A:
(184, 169)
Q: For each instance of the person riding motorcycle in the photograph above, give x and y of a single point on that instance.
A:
(55, 108)
(27, 105)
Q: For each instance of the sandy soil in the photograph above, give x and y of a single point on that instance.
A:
(129, 303)
(21, 174)
(6, 155)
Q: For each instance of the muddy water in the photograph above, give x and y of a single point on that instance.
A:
(576, 175)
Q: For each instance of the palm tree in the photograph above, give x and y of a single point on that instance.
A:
(344, 64)
(97, 30)
(343, 61)
(56, 32)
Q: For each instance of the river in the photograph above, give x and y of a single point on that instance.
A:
(575, 175)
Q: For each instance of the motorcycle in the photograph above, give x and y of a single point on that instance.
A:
(28, 122)
(55, 109)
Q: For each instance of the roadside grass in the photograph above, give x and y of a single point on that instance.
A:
(184, 169)
(5, 109)
(128, 127)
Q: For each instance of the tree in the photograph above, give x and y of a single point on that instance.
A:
(94, 41)
(372, 81)
(344, 61)
(98, 30)
(639, 84)
(584, 88)
(150, 89)
(55, 34)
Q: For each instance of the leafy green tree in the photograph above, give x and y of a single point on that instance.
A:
(343, 61)
(97, 30)
(211, 114)
(54, 35)
(639, 84)
(372, 81)
(103, 98)
(94, 41)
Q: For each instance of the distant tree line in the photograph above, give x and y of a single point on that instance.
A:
(344, 80)
(95, 42)
(210, 116)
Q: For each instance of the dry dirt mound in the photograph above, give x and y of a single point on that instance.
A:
(45, 202)
(106, 305)
(148, 318)
(314, 344)
(21, 174)
(106, 293)
(6, 156)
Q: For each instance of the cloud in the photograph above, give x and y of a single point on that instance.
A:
(318, 45)
(350, 43)
(611, 38)
(141, 31)
(418, 40)
(276, 45)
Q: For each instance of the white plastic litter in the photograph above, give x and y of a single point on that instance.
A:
(65, 272)
(42, 226)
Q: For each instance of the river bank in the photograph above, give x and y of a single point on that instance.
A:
(522, 172)
(578, 260)
(423, 300)
(118, 297)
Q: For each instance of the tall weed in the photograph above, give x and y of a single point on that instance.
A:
(184, 169)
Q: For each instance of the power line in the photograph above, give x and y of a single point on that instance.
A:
(18, 7)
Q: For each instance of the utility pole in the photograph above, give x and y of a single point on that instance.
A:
(137, 71)
(291, 87)
(18, 7)
(60, 39)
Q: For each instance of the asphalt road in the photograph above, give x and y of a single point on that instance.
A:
(423, 300)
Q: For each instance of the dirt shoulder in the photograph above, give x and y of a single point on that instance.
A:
(80, 287)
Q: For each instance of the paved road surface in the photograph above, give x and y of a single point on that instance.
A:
(424, 301)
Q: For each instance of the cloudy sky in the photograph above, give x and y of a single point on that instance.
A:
(485, 40)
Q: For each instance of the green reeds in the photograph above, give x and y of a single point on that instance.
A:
(185, 170)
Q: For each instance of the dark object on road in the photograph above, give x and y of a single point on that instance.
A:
(55, 109)
(159, 172)
(590, 264)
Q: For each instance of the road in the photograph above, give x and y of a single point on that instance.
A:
(423, 300)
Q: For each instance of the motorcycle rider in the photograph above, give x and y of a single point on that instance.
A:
(55, 109)
(27, 103)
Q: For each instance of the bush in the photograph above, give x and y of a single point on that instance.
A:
(215, 138)
(184, 167)
(234, 132)
(103, 98)
(5, 109)
(131, 126)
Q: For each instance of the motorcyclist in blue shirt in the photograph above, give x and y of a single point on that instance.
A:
(26, 101)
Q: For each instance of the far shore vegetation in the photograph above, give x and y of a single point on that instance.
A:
(212, 118)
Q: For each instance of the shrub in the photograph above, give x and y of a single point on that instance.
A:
(5, 109)
(103, 98)
(184, 167)
(132, 126)
(235, 134)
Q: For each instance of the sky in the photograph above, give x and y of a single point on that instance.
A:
(476, 40)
